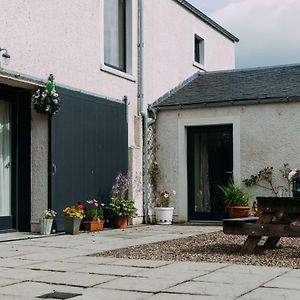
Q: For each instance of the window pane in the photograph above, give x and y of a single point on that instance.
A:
(199, 50)
(114, 33)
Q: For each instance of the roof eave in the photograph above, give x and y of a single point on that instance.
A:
(231, 103)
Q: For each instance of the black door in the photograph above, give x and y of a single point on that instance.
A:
(15, 162)
(210, 165)
(89, 147)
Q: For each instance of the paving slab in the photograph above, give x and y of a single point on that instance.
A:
(57, 266)
(264, 293)
(34, 289)
(98, 260)
(143, 263)
(150, 285)
(15, 262)
(8, 281)
(75, 279)
(284, 282)
(170, 296)
(210, 289)
(241, 278)
(107, 294)
(254, 270)
(22, 274)
(111, 270)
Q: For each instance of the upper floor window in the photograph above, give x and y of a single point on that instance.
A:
(115, 34)
(199, 50)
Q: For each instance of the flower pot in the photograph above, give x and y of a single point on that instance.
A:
(93, 225)
(121, 222)
(238, 211)
(72, 225)
(164, 215)
(46, 226)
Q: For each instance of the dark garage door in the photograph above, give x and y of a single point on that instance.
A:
(89, 146)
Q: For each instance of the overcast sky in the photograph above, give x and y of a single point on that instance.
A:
(269, 30)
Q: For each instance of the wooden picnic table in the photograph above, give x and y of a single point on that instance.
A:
(279, 217)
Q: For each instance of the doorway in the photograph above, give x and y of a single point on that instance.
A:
(210, 165)
(5, 164)
(15, 158)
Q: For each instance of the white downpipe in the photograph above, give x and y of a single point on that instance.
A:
(141, 105)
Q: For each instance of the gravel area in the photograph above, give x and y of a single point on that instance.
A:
(214, 247)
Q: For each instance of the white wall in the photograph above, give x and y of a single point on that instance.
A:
(169, 47)
(263, 135)
(65, 38)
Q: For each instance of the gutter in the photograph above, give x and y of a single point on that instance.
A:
(290, 99)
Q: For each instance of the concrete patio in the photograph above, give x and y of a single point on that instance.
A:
(33, 265)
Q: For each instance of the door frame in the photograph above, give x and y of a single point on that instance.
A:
(191, 131)
(21, 157)
(198, 120)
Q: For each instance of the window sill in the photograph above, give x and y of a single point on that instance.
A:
(199, 66)
(118, 73)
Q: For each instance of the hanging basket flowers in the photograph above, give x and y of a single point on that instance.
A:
(46, 101)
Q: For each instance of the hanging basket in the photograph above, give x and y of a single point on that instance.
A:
(46, 101)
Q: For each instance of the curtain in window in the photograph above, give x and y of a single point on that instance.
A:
(5, 159)
(114, 33)
(202, 193)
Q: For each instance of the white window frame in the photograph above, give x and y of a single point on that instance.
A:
(201, 63)
(129, 73)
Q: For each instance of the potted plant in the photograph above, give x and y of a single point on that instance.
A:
(164, 213)
(46, 221)
(94, 220)
(121, 208)
(72, 218)
(236, 200)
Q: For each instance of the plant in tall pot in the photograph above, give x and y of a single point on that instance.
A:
(163, 211)
(121, 208)
(236, 200)
(94, 219)
(72, 218)
(46, 221)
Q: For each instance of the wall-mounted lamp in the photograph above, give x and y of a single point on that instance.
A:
(5, 55)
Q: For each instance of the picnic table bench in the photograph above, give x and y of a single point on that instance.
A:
(279, 217)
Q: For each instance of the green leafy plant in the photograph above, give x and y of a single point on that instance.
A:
(122, 208)
(119, 205)
(234, 195)
(94, 210)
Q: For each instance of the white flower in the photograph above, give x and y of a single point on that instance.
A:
(174, 192)
(292, 174)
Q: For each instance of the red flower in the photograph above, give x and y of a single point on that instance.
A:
(80, 206)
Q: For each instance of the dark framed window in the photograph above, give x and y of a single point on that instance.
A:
(115, 34)
(199, 50)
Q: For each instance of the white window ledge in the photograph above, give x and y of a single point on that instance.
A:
(199, 66)
(118, 73)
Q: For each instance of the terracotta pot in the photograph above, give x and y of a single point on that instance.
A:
(121, 222)
(238, 211)
(93, 225)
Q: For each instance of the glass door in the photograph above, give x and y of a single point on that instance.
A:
(210, 165)
(5, 165)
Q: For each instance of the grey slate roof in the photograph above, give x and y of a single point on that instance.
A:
(207, 20)
(221, 87)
